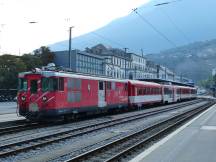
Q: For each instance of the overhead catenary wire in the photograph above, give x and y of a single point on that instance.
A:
(154, 28)
(178, 29)
(112, 41)
(108, 39)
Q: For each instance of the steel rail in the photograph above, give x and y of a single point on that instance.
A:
(23, 145)
(134, 139)
(22, 125)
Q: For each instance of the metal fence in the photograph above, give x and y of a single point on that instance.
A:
(8, 95)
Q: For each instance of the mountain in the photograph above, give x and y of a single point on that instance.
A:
(194, 61)
(182, 22)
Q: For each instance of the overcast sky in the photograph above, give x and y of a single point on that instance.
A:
(53, 19)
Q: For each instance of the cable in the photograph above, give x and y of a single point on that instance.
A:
(117, 43)
(154, 28)
(175, 25)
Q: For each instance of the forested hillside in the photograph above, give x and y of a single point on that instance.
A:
(195, 60)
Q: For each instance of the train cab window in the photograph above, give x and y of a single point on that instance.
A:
(22, 85)
(53, 84)
(33, 86)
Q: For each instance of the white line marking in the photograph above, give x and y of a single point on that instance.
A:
(208, 128)
(141, 156)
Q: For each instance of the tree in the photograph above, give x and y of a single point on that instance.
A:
(10, 66)
(31, 61)
(208, 83)
(45, 54)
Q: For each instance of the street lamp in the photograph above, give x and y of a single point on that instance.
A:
(166, 3)
(125, 52)
(70, 42)
(33, 22)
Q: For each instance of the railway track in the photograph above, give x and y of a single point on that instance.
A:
(121, 148)
(24, 145)
(22, 125)
(19, 128)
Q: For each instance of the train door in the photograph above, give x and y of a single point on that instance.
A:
(34, 87)
(101, 94)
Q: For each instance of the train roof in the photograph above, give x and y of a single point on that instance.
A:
(167, 82)
(48, 73)
(64, 74)
(143, 82)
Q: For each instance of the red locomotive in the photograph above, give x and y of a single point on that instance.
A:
(45, 94)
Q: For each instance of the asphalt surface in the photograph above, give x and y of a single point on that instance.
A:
(8, 111)
(8, 107)
(193, 142)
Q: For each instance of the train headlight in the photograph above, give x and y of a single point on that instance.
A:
(23, 98)
(44, 98)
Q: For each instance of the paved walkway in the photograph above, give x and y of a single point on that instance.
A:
(193, 142)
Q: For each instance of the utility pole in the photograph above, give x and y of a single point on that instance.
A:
(142, 52)
(125, 49)
(70, 42)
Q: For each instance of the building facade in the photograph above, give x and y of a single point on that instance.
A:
(115, 63)
(81, 62)
(119, 64)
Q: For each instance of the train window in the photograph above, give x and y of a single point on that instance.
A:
(50, 84)
(77, 96)
(108, 85)
(166, 90)
(74, 96)
(147, 90)
(78, 83)
(140, 92)
(33, 86)
(101, 85)
(178, 91)
(71, 97)
(113, 86)
(156, 90)
(71, 83)
(61, 84)
(53, 84)
(144, 91)
(45, 84)
(126, 87)
(153, 91)
(22, 85)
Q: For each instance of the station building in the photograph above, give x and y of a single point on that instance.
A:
(115, 63)
(81, 62)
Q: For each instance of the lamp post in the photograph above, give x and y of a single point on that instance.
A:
(70, 42)
(125, 49)
(166, 3)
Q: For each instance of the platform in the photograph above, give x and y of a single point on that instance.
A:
(8, 112)
(8, 107)
(193, 142)
(9, 117)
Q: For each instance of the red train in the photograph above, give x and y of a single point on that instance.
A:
(44, 94)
